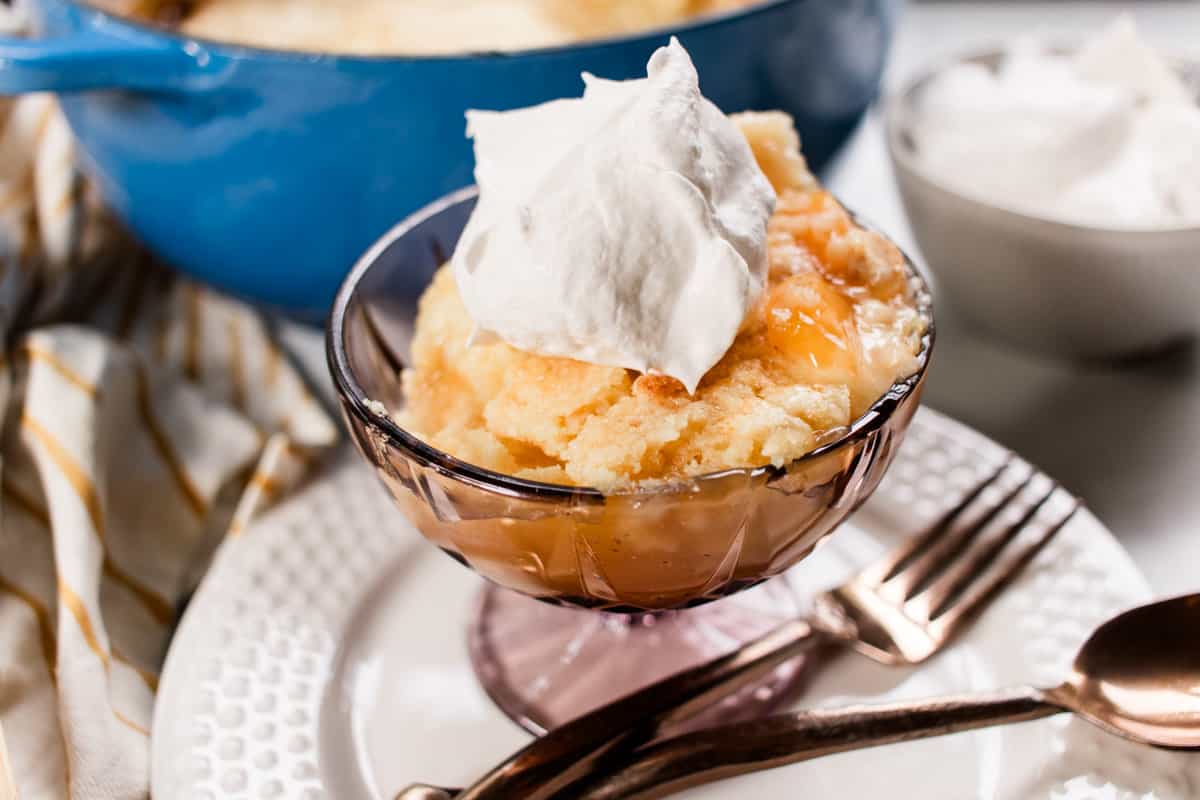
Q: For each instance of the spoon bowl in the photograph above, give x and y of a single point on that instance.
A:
(1138, 675)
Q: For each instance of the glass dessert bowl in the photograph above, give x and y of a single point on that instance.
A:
(640, 553)
(661, 365)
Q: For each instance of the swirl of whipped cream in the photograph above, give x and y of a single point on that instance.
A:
(625, 228)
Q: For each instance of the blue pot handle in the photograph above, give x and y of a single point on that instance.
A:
(99, 59)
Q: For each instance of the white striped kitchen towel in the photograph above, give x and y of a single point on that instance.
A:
(143, 419)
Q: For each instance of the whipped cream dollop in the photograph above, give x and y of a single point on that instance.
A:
(1108, 136)
(625, 228)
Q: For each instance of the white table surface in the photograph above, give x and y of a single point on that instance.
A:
(1127, 440)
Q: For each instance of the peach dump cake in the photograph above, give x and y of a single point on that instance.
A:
(825, 324)
(415, 27)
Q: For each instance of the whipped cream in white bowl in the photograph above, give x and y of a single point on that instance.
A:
(1107, 136)
(625, 228)
(1055, 191)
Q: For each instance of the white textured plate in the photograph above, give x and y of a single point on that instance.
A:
(325, 657)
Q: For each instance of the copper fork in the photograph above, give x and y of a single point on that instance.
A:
(900, 610)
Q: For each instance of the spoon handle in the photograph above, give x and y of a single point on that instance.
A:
(573, 751)
(712, 754)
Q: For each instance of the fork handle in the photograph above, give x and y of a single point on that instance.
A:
(713, 754)
(571, 751)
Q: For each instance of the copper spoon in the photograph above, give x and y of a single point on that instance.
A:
(1138, 676)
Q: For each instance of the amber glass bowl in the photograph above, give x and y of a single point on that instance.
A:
(648, 550)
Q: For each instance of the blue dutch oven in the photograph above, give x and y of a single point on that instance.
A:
(267, 173)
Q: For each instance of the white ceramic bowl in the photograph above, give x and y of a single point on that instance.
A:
(1056, 288)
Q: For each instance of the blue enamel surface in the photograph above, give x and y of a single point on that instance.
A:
(267, 174)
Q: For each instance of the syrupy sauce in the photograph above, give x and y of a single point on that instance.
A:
(164, 12)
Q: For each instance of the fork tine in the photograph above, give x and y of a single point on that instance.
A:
(981, 592)
(886, 568)
(952, 543)
(972, 562)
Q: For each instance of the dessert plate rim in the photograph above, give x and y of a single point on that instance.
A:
(244, 707)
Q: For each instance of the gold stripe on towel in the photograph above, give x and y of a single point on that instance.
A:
(35, 353)
(165, 451)
(17, 192)
(68, 598)
(70, 198)
(130, 723)
(71, 470)
(154, 603)
(26, 503)
(45, 629)
(271, 369)
(266, 484)
(149, 678)
(300, 452)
